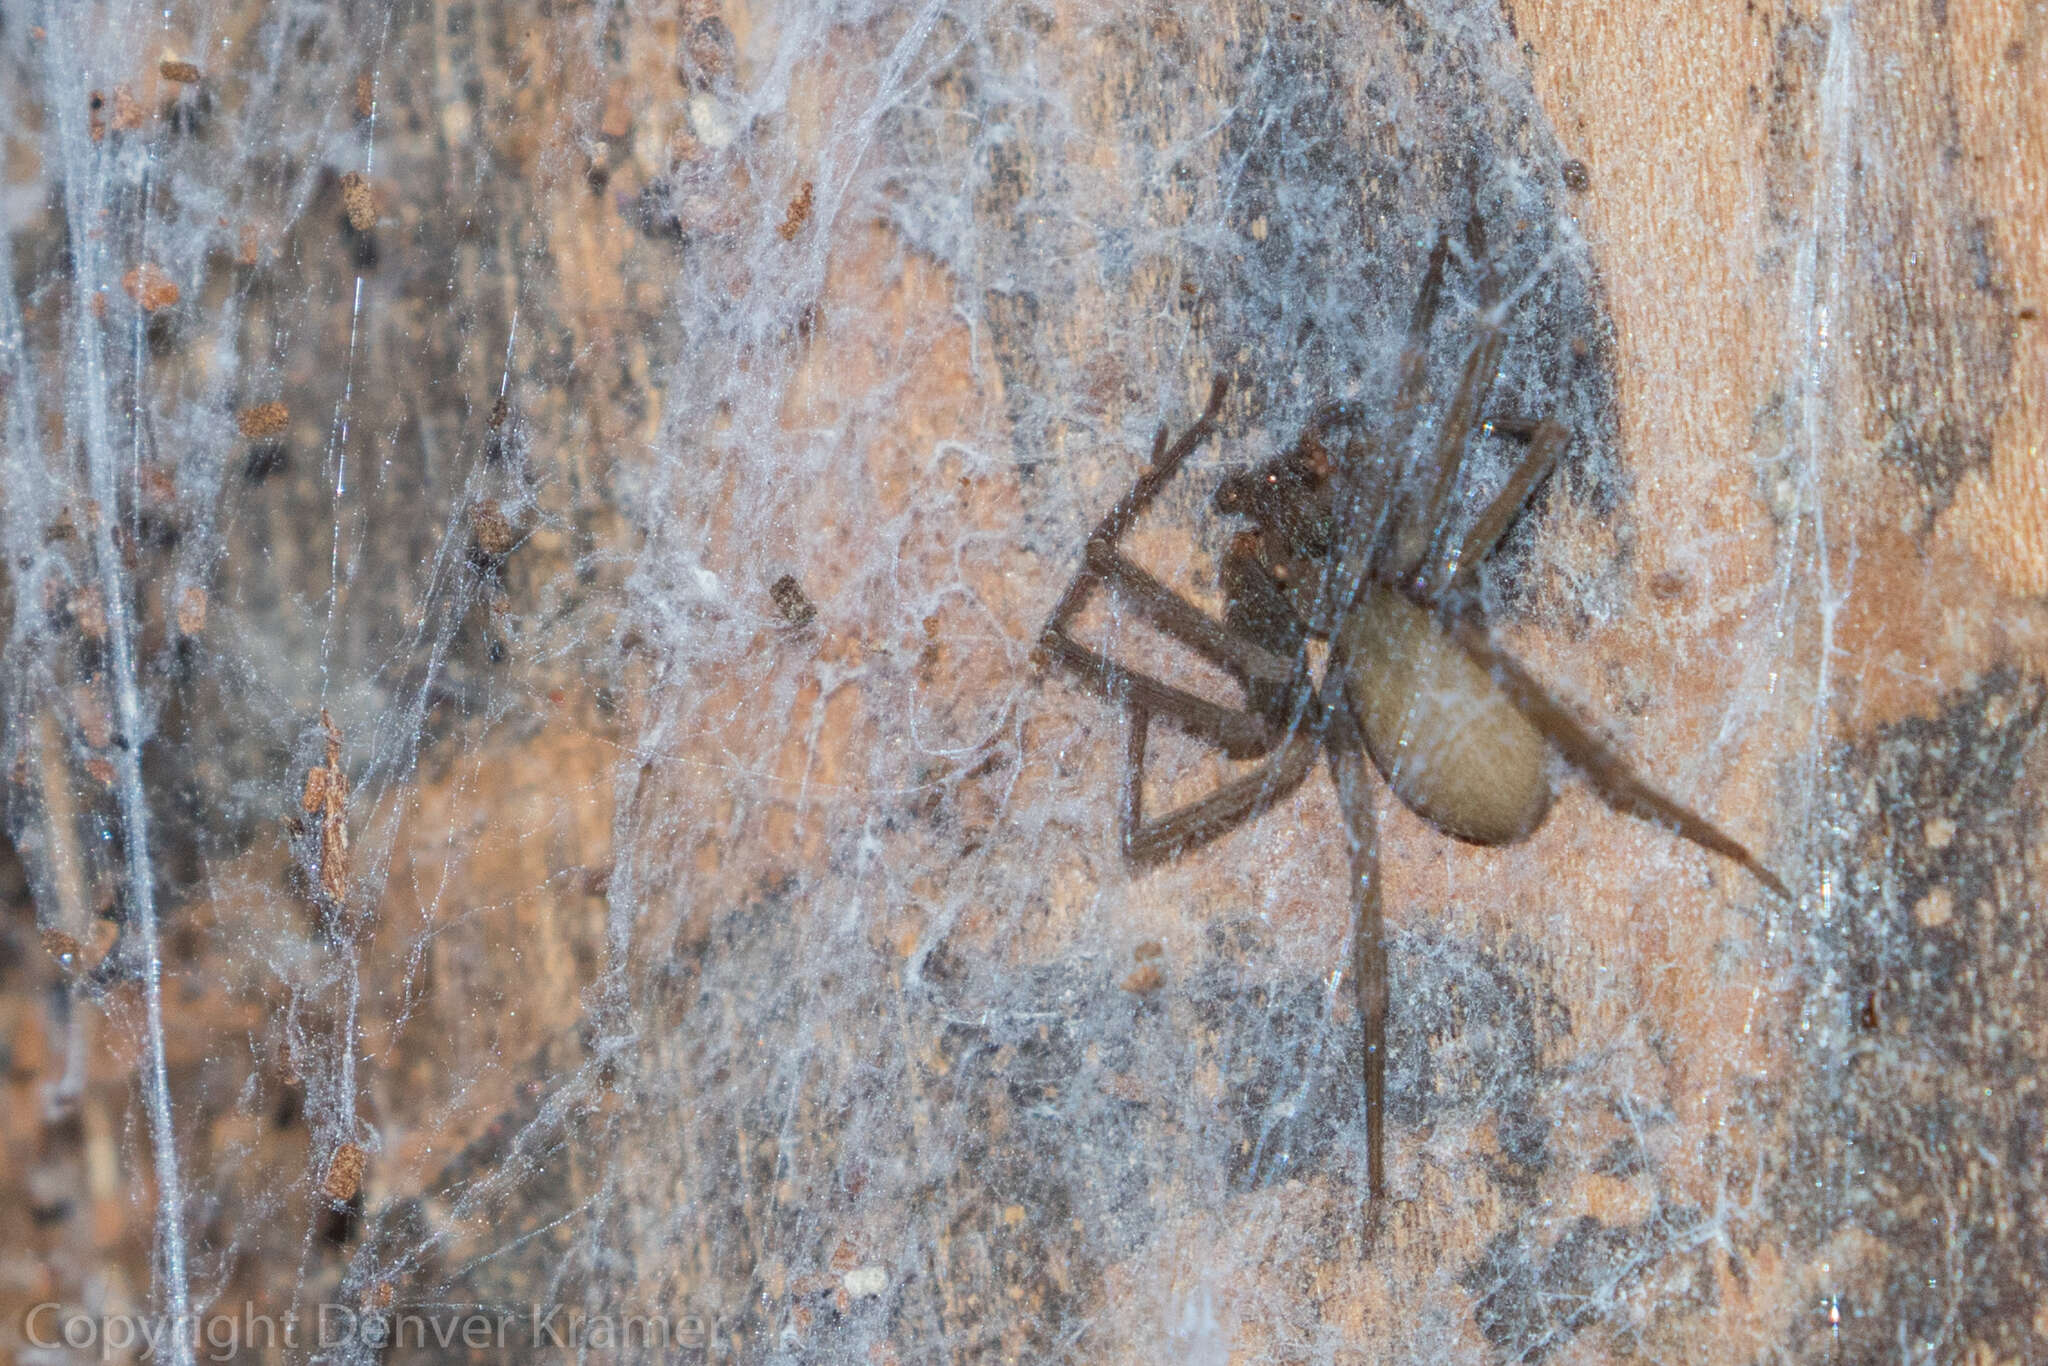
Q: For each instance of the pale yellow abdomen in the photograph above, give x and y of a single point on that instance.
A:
(1443, 734)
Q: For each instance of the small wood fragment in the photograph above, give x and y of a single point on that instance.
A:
(1670, 584)
(492, 531)
(344, 1173)
(178, 72)
(89, 710)
(358, 201)
(265, 419)
(129, 114)
(76, 956)
(617, 119)
(798, 214)
(326, 797)
(89, 610)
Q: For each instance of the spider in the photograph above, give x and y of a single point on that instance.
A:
(1350, 544)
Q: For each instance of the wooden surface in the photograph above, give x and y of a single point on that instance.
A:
(715, 961)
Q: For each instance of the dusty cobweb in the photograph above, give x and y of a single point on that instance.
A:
(526, 528)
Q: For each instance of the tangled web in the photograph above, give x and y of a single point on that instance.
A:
(525, 526)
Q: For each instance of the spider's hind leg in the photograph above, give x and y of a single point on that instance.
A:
(1347, 758)
(1609, 775)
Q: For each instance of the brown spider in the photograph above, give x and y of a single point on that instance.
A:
(1352, 547)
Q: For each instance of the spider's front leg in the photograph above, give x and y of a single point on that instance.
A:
(1165, 461)
(1209, 818)
(1456, 574)
(1283, 710)
(1260, 628)
(1240, 734)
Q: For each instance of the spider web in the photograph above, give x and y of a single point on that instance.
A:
(749, 967)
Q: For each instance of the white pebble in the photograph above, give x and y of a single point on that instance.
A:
(864, 1281)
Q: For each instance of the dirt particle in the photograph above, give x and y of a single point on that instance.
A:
(864, 1282)
(358, 201)
(1936, 908)
(492, 531)
(790, 600)
(89, 610)
(263, 420)
(89, 710)
(192, 610)
(75, 956)
(798, 214)
(1670, 584)
(617, 120)
(151, 286)
(129, 114)
(344, 1173)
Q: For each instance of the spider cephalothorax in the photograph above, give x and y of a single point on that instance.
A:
(1351, 544)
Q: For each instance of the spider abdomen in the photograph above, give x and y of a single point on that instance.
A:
(1445, 736)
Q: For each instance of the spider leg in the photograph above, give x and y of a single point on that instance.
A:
(1414, 363)
(1215, 641)
(1239, 733)
(1346, 754)
(1243, 734)
(1206, 818)
(1165, 460)
(1474, 384)
(1547, 440)
(1609, 775)
(1279, 692)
